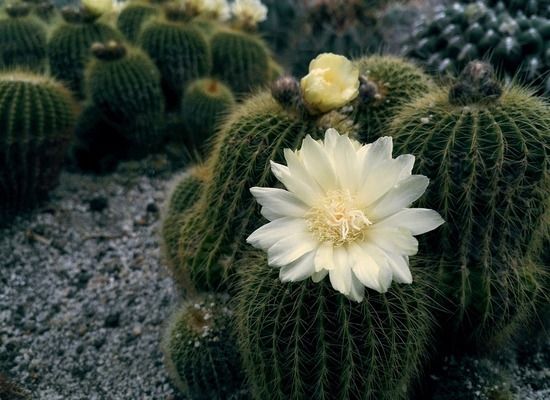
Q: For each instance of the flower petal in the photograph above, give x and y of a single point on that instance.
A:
(400, 268)
(298, 270)
(345, 160)
(324, 258)
(318, 164)
(278, 203)
(415, 220)
(399, 197)
(385, 273)
(377, 152)
(365, 268)
(319, 276)
(303, 187)
(269, 234)
(357, 290)
(394, 240)
(340, 276)
(290, 249)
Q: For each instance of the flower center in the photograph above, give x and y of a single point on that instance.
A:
(337, 219)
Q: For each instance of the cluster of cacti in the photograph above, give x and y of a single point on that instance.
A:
(528, 7)
(485, 150)
(201, 350)
(133, 16)
(36, 120)
(22, 39)
(515, 44)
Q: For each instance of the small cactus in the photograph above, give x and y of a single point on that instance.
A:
(132, 18)
(22, 40)
(204, 103)
(36, 120)
(200, 349)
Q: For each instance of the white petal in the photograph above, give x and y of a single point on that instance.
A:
(319, 276)
(400, 268)
(382, 178)
(318, 164)
(324, 257)
(290, 249)
(365, 268)
(385, 272)
(298, 270)
(376, 153)
(304, 188)
(278, 203)
(357, 291)
(269, 234)
(416, 220)
(347, 167)
(394, 240)
(340, 276)
(398, 198)
(331, 138)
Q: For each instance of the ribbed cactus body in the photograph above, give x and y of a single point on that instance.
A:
(180, 52)
(240, 60)
(69, 50)
(391, 82)
(204, 103)
(201, 351)
(22, 43)
(132, 18)
(36, 121)
(185, 194)
(306, 341)
(488, 161)
(126, 87)
(216, 227)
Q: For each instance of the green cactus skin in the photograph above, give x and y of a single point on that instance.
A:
(126, 86)
(36, 120)
(240, 60)
(488, 161)
(213, 230)
(69, 50)
(204, 103)
(185, 193)
(200, 349)
(132, 18)
(306, 341)
(394, 82)
(181, 53)
(22, 42)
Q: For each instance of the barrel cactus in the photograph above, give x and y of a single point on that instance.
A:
(240, 60)
(485, 149)
(179, 50)
(200, 349)
(205, 102)
(306, 341)
(133, 17)
(185, 193)
(36, 121)
(125, 85)
(516, 45)
(22, 40)
(387, 83)
(70, 43)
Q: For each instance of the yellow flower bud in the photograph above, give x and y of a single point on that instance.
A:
(98, 7)
(332, 82)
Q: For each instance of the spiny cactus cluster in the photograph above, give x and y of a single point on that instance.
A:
(514, 43)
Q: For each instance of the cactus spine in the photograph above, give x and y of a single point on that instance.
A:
(204, 103)
(306, 341)
(36, 121)
(133, 17)
(70, 43)
(200, 350)
(487, 154)
(22, 40)
(125, 85)
(185, 194)
(240, 60)
(180, 52)
(387, 83)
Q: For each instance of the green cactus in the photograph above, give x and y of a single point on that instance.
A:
(126, 86)
(36, 121)
(387, 83)
(486, 151)
(240, 60)
(185, 193)
(70, 43)
(132, 18)
(204, 103)
(213, 230)
(180, 52)
(45, 10)
(22, 40)
(306, 341)
(200, 349)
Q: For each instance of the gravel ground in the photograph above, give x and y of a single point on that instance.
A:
(83, 293)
